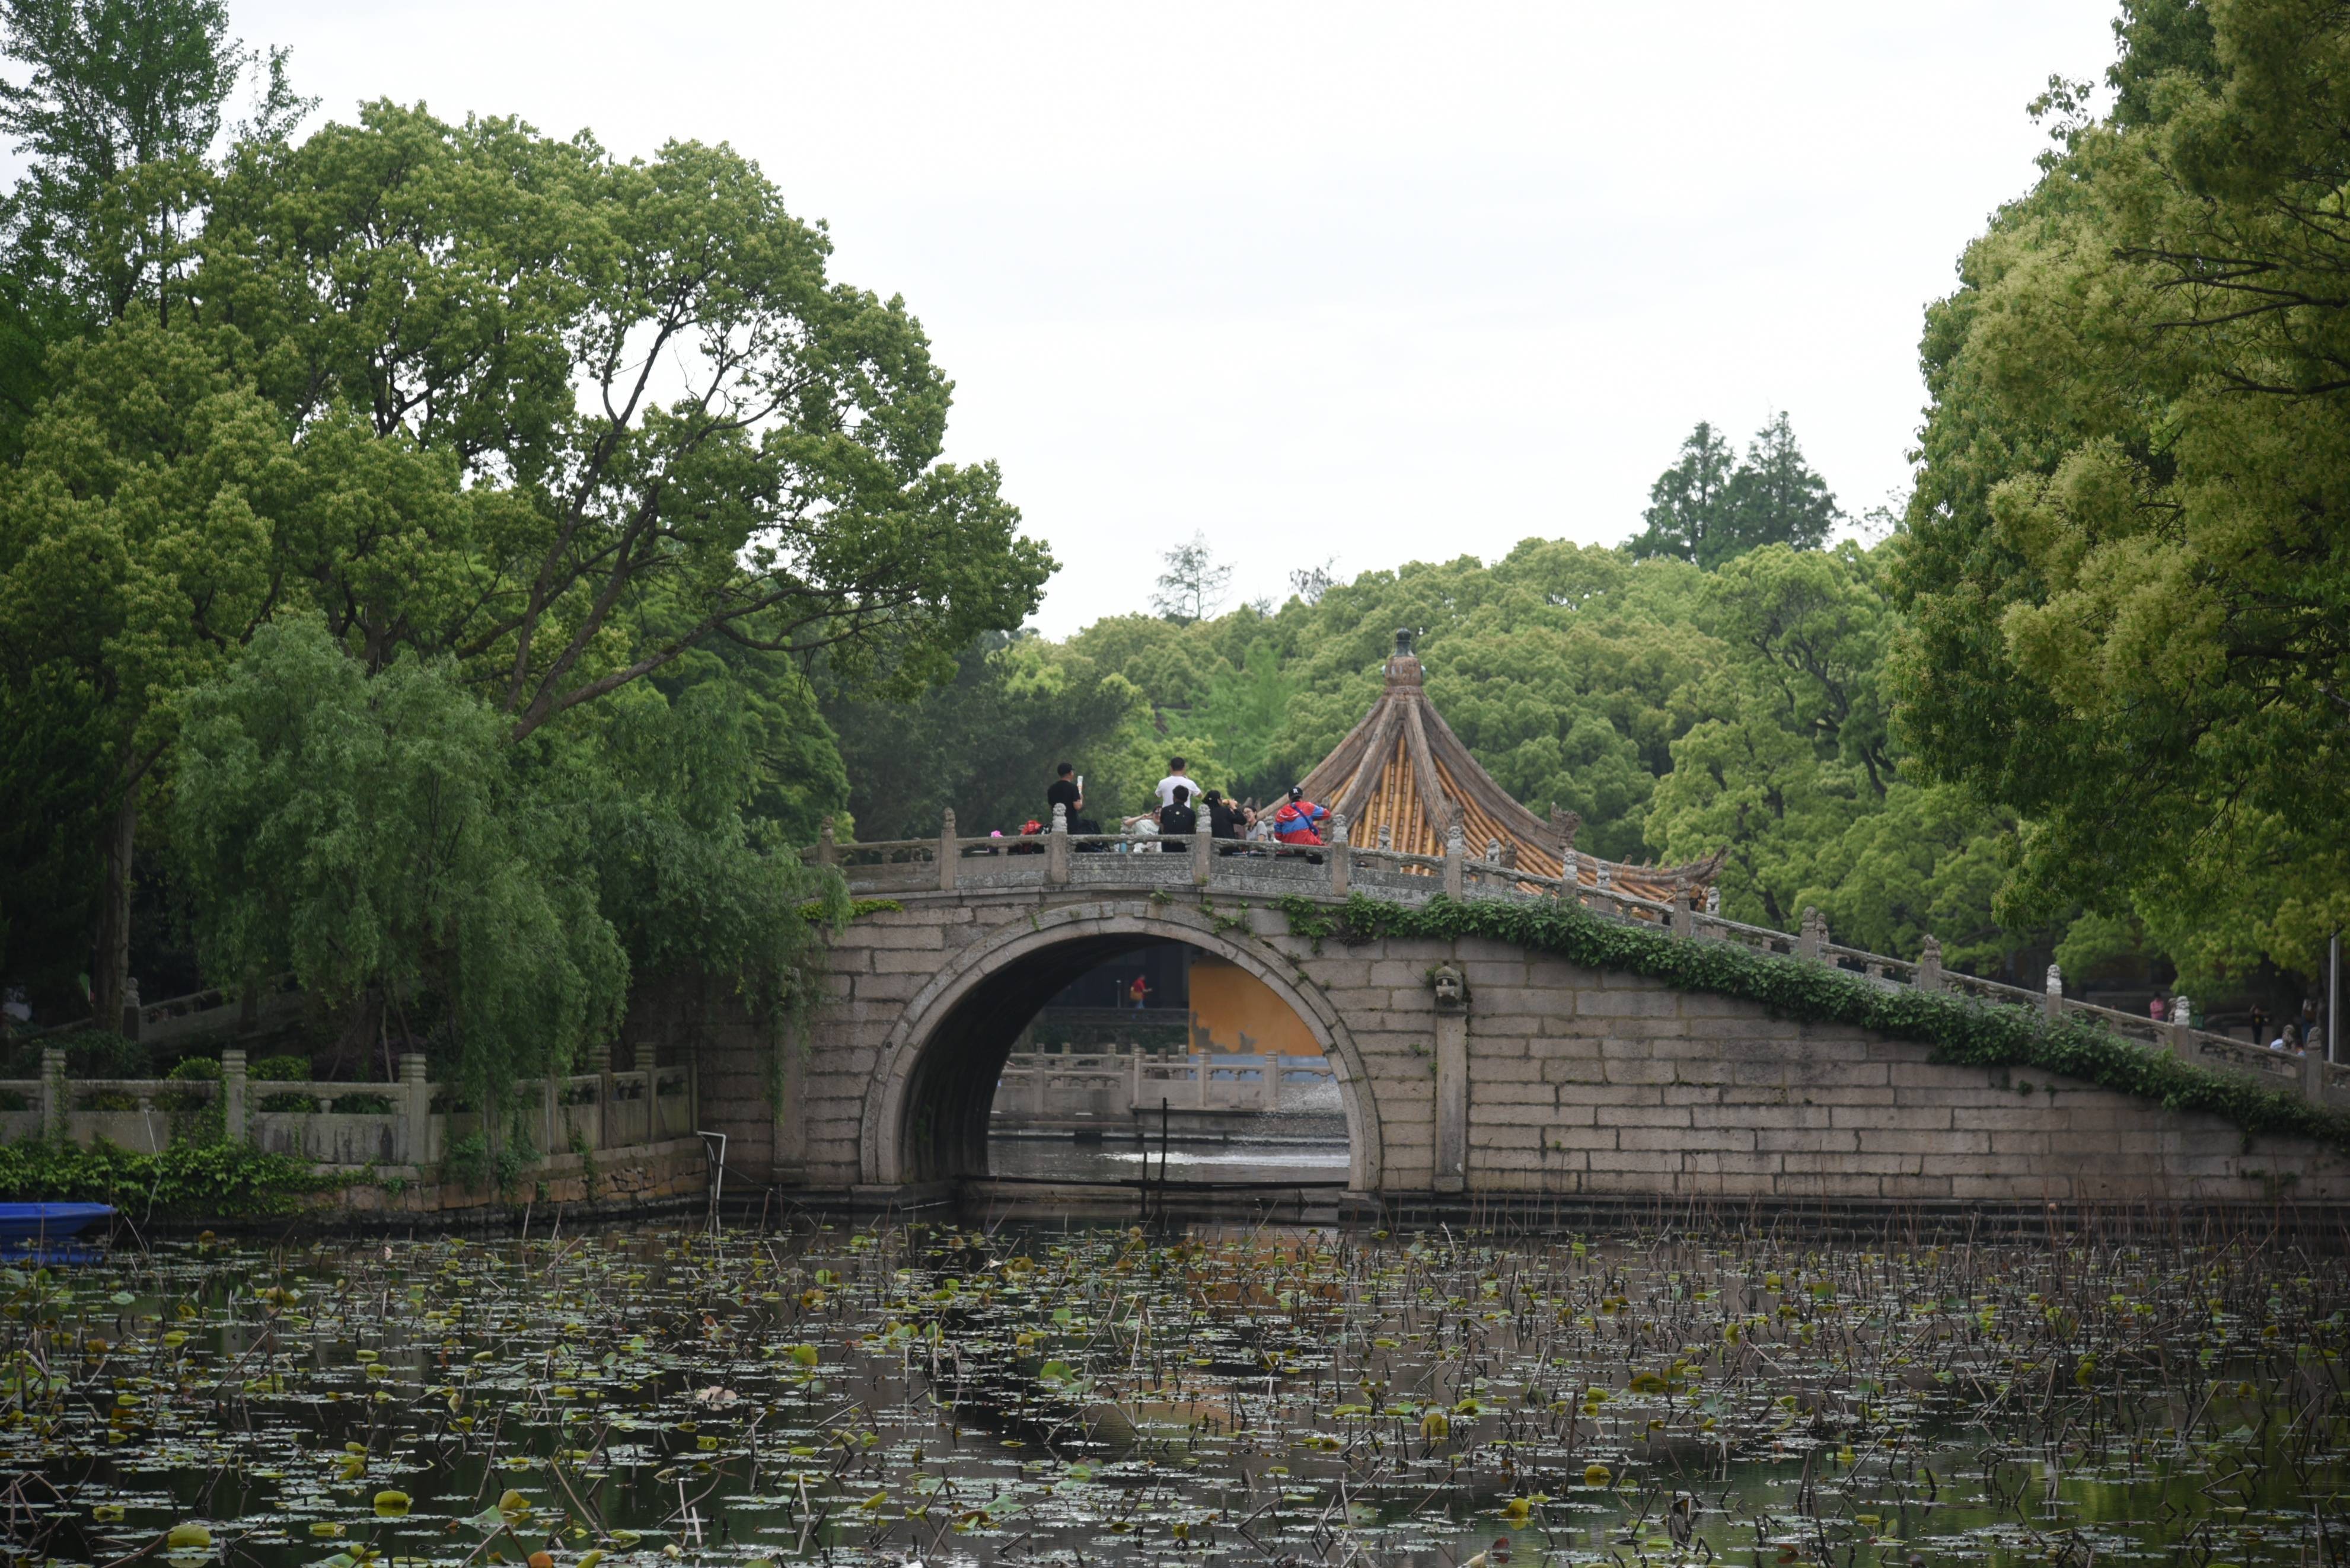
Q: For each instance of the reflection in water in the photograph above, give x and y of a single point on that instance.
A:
(879, 1393)
(1122, 1159)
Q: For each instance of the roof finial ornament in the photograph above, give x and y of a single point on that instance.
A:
(1403, 665)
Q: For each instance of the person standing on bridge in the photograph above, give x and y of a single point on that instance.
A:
(1067, 790)
(1176, 779)
(1298, 820)
(1179, 817)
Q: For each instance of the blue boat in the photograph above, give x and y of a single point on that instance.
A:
(49, 1229)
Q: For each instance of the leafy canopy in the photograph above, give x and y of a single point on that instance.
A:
(2128, 581)
(1707, 508)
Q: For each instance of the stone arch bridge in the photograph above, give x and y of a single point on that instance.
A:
(1550, 1086)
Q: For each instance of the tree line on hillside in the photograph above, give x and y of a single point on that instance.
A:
(460, 568)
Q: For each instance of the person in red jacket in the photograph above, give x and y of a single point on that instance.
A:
(1298, 820)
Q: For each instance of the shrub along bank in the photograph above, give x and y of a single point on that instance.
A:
(196, 1179)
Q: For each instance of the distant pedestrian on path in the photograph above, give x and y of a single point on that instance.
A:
(1140, 990)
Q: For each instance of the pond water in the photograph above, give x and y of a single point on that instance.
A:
(870, 1396)
(1121, 1159)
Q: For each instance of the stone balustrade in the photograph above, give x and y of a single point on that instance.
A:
(1261, 868)
(1113, 1086)
(412, 1122)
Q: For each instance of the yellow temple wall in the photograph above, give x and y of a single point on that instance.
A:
(1240, 1012)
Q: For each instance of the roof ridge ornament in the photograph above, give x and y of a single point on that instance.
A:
(1403, 665)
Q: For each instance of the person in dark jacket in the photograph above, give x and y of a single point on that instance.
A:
(1177, 817)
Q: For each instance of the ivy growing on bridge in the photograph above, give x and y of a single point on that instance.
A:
(1957, 1029)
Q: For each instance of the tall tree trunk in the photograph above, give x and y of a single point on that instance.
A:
(110, 960)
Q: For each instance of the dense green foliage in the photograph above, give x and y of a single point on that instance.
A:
(1708, 508)
(415, 545)
(2127, 576)
(1958, 1029)
(1679, 710)
(188, 1180)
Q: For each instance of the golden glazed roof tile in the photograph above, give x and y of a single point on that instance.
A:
(1402, 775)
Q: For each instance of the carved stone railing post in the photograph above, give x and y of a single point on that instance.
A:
(1810, 934)
(2182, 1028)
(949, 854)
(599, 1062)
(828, 849)
(1456, 860)
(1602, 887)
(416, 1107)
(1713, 900)
(57, 1097)
(1930, 965)
(1342, 858)
(1057, 845)
(1570, 879)
(1683, 924)
(1451, 1152)
(2055, 1002)
(233, 1121)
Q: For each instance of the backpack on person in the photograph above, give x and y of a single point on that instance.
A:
(1294, 823)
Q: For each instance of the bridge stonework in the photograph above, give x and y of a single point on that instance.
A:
(1580, 1084)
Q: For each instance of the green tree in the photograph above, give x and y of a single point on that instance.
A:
(1689, 506)
(135, 558)
(1247, 710)
(373, 836)
(1707, 510)
(1775, 498)
(55, 775)
(983, 746)
(519, 307)
(1794, 771)
(416, 388)
(2128, 579)
(116, 114)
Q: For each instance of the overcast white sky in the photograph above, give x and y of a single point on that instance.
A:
(1382, 282)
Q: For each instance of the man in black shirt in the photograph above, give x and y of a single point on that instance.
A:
(1178, 817)
(1063, 790)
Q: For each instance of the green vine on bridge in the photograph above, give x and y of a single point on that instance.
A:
(1957, 1029)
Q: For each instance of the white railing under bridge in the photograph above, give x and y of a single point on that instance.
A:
(1112, 1085)
(1256, 867)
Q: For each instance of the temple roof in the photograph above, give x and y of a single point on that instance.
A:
(1401, 777)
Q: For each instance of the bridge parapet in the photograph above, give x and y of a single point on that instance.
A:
(1157, 864)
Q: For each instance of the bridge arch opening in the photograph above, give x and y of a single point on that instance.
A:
(942, 1077)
